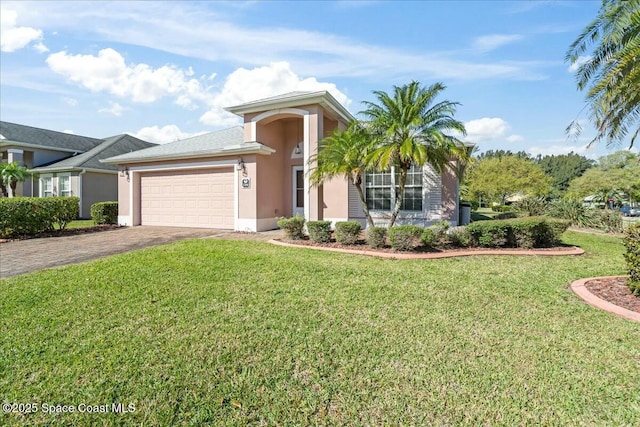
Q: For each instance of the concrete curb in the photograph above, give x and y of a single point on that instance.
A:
(579, 288)
(436, 255)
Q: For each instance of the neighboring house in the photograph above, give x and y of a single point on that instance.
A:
(246, 177)
(66, 164)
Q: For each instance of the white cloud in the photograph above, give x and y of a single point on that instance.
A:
(108, 72)
(13, 38)
(198, 31)
(486, 129)
(581, 60)
(69, 131)
(71, 102)
(162, 135)
(515, 138)
(248, 85)
(494, 41)
(114, 108)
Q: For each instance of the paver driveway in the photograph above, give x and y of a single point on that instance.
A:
(24, 256)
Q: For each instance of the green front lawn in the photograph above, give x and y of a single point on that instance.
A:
(212, 332)
(79, 223)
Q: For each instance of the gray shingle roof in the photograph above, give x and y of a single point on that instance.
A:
(46, 138)
(112, 146)
(213, 143)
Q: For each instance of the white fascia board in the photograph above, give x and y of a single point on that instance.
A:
(6, 142)
(264, 150)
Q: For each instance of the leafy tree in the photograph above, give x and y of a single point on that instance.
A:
(344, 153)
(611, 72)
(490, 154)
(500, 177)
(616, 174)
(11, 174)
(408, 127)
(563, 168)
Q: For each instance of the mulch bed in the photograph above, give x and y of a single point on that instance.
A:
(616, 291)
(65, 232)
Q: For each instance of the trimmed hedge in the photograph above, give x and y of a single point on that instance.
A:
(530, 232)
(459, 237)
(26, 216)
(428, 237)
(348, 232)
(319, 231)
(104, 213)
(376, 236)
(292, 227)
(501, 208)
(632, 257)
(405, 237)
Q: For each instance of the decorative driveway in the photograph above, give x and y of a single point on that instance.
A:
(25, 256)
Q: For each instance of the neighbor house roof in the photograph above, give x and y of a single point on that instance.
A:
(112, 146)
(220, 143)
(28, 136)
(294, 99)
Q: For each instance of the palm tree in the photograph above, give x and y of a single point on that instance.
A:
(3, 187)
(11, 174)
(410, 129)
(343, 153)
(611, 72)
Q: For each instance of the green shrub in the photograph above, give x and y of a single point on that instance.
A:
(460, 237)
(104, 213)
(531, 206)
(319, 231)
(428, 237)
(632, 257)
(529, 232)
(25, 216)
(492, 233)
(348, 232)
(501, 208)
(506, 215)
(570, 209)
(405, 237)
(376, 236)
(66, 210)
(607, 220)
(292, 227)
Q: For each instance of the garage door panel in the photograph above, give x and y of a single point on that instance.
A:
(200, 198)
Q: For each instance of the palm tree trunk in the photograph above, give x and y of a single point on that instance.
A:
(399, 196)
(365, 208)
(13, 184)
(3, 189)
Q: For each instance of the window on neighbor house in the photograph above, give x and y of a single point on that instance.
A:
(64, 185)
(381, 188)
(47, 186)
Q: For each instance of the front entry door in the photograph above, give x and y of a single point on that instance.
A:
(298, 190)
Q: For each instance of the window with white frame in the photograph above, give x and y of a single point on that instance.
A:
(64, 185)
(47, 186)
(382, 187)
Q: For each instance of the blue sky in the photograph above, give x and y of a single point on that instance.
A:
(164, 71)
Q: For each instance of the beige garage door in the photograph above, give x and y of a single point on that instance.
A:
(191, 198)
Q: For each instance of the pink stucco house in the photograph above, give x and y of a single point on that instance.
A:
(246, 177)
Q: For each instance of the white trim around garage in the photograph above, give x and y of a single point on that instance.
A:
(238, 223)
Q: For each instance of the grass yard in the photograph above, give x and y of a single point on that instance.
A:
(79, 223)
(212, 332)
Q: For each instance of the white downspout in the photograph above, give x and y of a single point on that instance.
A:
(80, 191)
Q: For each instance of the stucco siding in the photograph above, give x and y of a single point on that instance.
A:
(97, 187)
